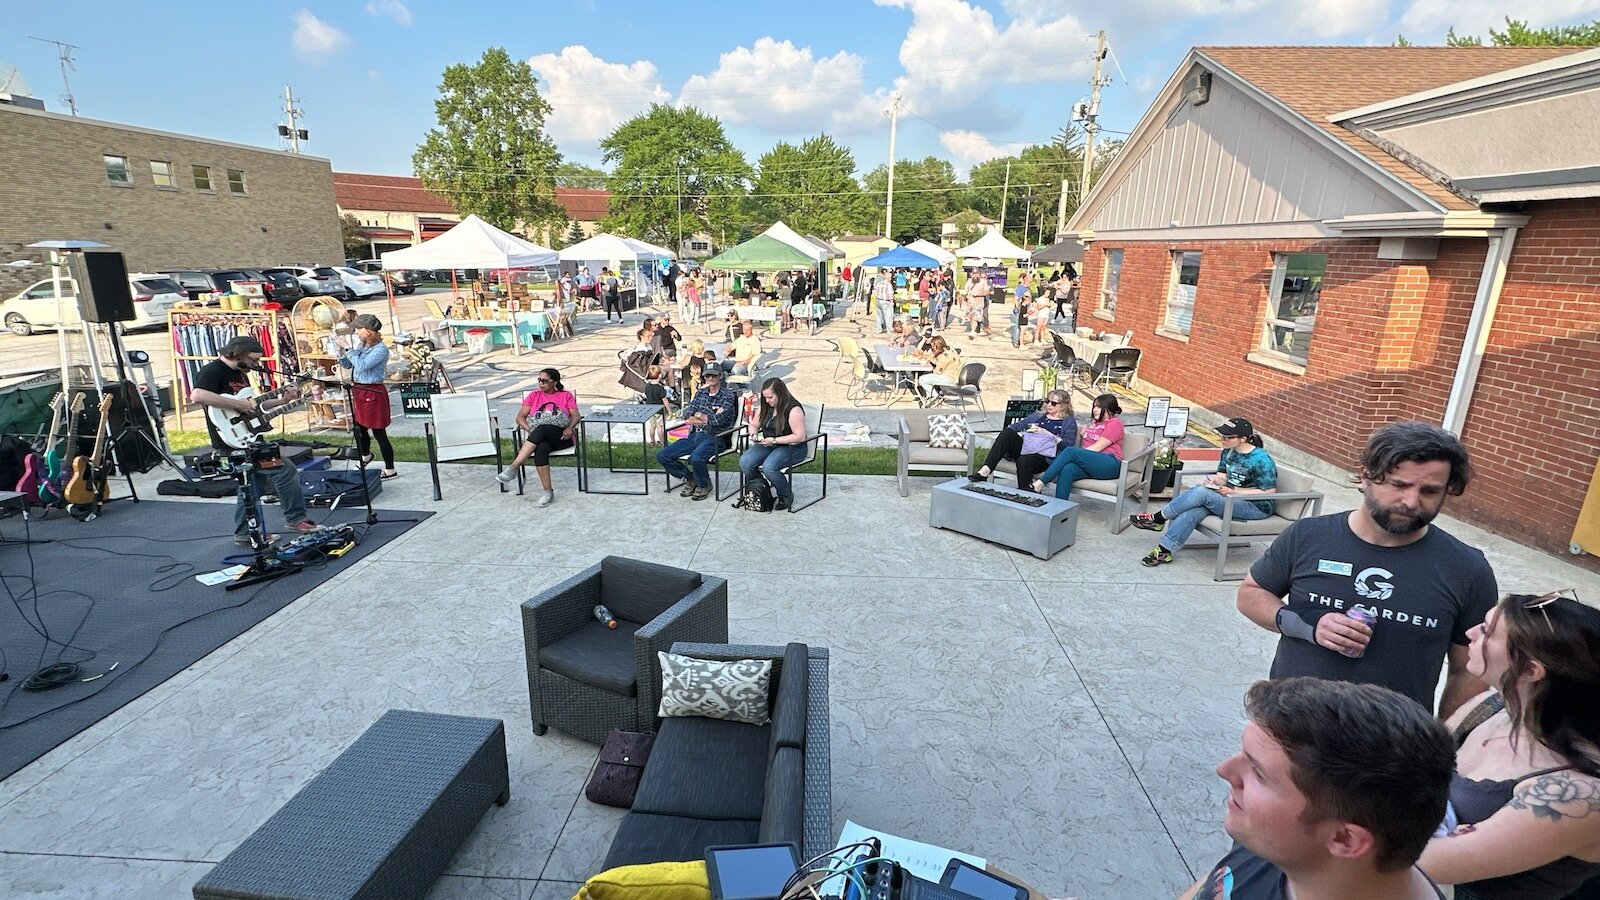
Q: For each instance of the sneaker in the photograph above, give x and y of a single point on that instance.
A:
(243, 540)
(688, 489)
(506, 477)
(305, 526)
(700, 493)
(977, 478)
(1147, 522)
(545, 499)
(1160, 556)
(780, 504)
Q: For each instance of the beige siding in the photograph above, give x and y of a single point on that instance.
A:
(1231, 162)
(1553, 132)
(53, 186)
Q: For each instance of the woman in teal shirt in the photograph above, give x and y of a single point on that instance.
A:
(1245, 469)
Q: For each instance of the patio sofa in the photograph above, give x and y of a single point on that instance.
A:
(712, 781)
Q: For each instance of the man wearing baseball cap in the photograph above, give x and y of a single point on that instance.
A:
(1244, 470)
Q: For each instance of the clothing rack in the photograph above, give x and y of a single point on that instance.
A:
(198, 335)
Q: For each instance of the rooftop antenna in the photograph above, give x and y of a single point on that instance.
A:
(292, 132)
(64, 51)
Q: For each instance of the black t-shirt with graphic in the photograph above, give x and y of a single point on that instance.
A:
(1426, 595)
(219, 378)
(1242, 875)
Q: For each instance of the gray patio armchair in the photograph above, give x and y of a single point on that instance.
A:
(1294, 500)
(917, 453)
(586, 679)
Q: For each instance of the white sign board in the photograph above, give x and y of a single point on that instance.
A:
(1155, 414)
(1177, 422)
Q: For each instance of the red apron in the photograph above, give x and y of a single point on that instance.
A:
(370, 403)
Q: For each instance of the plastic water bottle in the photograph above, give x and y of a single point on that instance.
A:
(604, 616)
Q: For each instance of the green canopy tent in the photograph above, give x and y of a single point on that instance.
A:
(762, 253)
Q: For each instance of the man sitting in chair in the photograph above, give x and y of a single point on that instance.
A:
(711, 412)
(743, 352)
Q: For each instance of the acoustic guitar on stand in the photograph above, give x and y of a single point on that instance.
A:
(90, 483)
(239, 430)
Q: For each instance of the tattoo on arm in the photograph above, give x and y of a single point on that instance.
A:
(1558, 795)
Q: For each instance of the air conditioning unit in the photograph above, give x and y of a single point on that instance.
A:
(1197, 87)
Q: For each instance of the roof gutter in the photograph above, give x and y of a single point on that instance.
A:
(1473, 345)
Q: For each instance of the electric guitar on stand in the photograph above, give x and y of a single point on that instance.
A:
(90, 485)
(49, 486)
(239, 430)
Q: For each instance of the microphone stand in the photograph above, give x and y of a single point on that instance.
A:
(361, 462)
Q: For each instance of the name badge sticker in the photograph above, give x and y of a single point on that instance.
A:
(1334, 567)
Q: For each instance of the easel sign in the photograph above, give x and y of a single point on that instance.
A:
(1177, 424)
(416, 399)
(1155, 414)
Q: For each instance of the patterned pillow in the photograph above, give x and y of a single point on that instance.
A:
(715, 690)
(947, 432)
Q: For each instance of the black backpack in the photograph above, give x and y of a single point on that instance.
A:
(757, 496)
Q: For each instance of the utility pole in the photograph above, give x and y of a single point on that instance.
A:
(679, 249)
(292, 132)
(888, 209)
(64, 53)
(1005, 194)
(1091, 114)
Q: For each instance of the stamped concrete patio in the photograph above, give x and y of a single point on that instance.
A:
(1061, 718)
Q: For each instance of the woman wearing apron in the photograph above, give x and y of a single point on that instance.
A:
(369, 396)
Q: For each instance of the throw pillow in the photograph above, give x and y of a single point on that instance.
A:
(948, 432)
(658, 881)
(736, 690)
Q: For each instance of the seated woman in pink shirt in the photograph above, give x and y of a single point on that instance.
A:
(549, 415)
(1100, 456)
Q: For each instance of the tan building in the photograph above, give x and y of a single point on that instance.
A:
(396, 211)
(950, 230)
(165, 200)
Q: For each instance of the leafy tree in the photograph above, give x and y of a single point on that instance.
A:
(574, 234)
(669, 166)
(356, 245)
(925, 193)
(812, 188)
(490, 154)
(577, 175)
(969, 226)
(1519, 34)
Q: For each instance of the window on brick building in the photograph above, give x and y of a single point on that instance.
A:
(1292, 306)
(117, 170)
(161, 173)
(202, 177)
(1113, 279)
(1180, 298)
(236, 182)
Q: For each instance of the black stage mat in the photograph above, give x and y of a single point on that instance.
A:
(121, 589)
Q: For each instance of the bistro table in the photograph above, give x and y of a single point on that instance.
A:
(621, 414)
(904, 367)
(1092, 351)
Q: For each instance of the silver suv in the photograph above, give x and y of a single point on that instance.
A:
(314, 279)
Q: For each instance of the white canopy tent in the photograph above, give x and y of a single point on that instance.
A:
(471, 244)
(992, 245)
(613, 250)
(934, 251)
(787, 235)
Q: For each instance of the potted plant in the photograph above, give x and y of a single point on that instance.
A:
(1047, 379)
(1166, 466)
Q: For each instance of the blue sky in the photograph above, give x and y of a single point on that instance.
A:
(980, 78)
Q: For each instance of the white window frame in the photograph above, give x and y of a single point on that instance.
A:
(1169, 321)
(210, 185)
(1280, 274)
(170, 175)
(244, 188)
(127, 173)
(1111, 280)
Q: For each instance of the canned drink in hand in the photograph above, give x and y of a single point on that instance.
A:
(1366, 617)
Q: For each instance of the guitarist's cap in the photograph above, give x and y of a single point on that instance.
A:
(241, 345)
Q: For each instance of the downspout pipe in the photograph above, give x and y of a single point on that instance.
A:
(1476, 340)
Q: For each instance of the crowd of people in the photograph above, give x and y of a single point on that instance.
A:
(1037, 301)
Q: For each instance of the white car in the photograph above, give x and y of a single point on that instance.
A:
(35, 308)
(360, 285)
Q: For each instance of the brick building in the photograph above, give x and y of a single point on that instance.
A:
(165, 200)
(396, 211)
(1325, 240)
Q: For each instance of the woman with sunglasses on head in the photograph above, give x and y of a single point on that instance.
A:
(1017, 442)
(1525, 800)
(1099, 457)
(549, 415)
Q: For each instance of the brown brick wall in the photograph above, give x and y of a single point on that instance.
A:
(53, 185)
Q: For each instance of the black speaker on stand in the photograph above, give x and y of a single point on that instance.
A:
(103, 291)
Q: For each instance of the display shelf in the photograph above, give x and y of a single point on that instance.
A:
(198, 334)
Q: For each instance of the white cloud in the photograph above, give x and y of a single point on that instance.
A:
(314, 37)
(591, 97)
(1426, 21)
(1312, 18)
(780, 87)
(968, 148)
(393, 9)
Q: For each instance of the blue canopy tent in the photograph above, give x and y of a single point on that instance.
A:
(901, 258)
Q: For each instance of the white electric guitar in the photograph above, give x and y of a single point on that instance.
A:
(238, 430)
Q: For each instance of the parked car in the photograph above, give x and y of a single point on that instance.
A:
(360, 285)
(282, 288)
(35, 307)
(404, 280)
(199, 282)
(314, 280)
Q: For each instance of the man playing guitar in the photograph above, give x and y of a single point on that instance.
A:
(215, 386)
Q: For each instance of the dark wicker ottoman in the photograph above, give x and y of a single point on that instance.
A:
(383, 820)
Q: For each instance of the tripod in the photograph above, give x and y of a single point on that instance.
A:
(244, 465)
(353, 452)
(131, 425)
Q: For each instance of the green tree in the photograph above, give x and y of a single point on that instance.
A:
(356, 245)
(490, 154)
(812, 188)
(574, 234)
(578, 175)
(969, 226)
(925, 193)
(1519, 34)
(673, 169)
